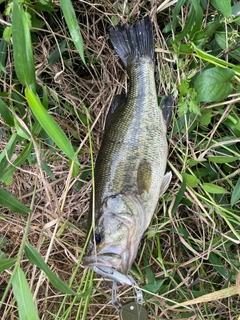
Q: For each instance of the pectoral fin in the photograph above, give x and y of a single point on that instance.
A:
(165, 183)
(144, 176)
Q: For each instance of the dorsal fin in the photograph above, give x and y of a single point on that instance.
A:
(118, 101)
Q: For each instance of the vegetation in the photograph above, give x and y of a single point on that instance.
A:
(57, 82)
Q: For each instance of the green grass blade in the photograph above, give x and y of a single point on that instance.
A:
(55, 55)
(33, 255)
(22, 47)
(8, 200)
(71, 20)
(6, 113)
(17, 163)
(7, 153)
(236, 193)
(6, 263)
(22, 294)
(50, 125)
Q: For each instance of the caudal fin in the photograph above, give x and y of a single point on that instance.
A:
(133, 43)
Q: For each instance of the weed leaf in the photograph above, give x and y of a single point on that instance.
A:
(236, 193)
(7, 153)
(6, 263)
(212, 188)
(179, 195)
(6, 113)
(33, 255)
(71, 20)
(22, 47)
(17, 163)
(224, 6)
(214, 84)
(222, 159)
(8, 200)
(22, 294)
(49, 125)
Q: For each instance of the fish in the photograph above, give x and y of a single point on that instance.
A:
(130, 168)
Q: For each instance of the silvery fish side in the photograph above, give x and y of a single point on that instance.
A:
(130, 168)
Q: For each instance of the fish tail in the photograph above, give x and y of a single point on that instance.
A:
(133, 43)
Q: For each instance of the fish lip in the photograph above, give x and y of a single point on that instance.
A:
(103, 267)
(111, 273)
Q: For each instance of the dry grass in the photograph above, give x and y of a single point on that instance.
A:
(179, 242)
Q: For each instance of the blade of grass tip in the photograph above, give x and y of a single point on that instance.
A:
(8, 200)
(236, 193)
(6, 263)
(50, 125)
(72, 23)
(6, 113)
(17, 163)
(22, 294)
(34, 256)
(7, 153)
(22, 47)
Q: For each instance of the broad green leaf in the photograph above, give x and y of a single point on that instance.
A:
(202, 35)
(224, 6)
(212, 188)
(153, 287)
(214, 84)
(222, 159)
(50, 125)
(191, 180)
(8, 200)
(22, 47)
(72, 22)
(206, 117)
(6, 263)
(17, 163)
(34, 256)
(22, 294)
(236, 193)
(6, 113)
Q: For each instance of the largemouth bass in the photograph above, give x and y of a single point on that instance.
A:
(130, 167)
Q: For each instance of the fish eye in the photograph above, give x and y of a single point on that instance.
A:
(98, 238)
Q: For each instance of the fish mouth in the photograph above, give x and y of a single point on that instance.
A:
(108, 266)
(111, 273)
